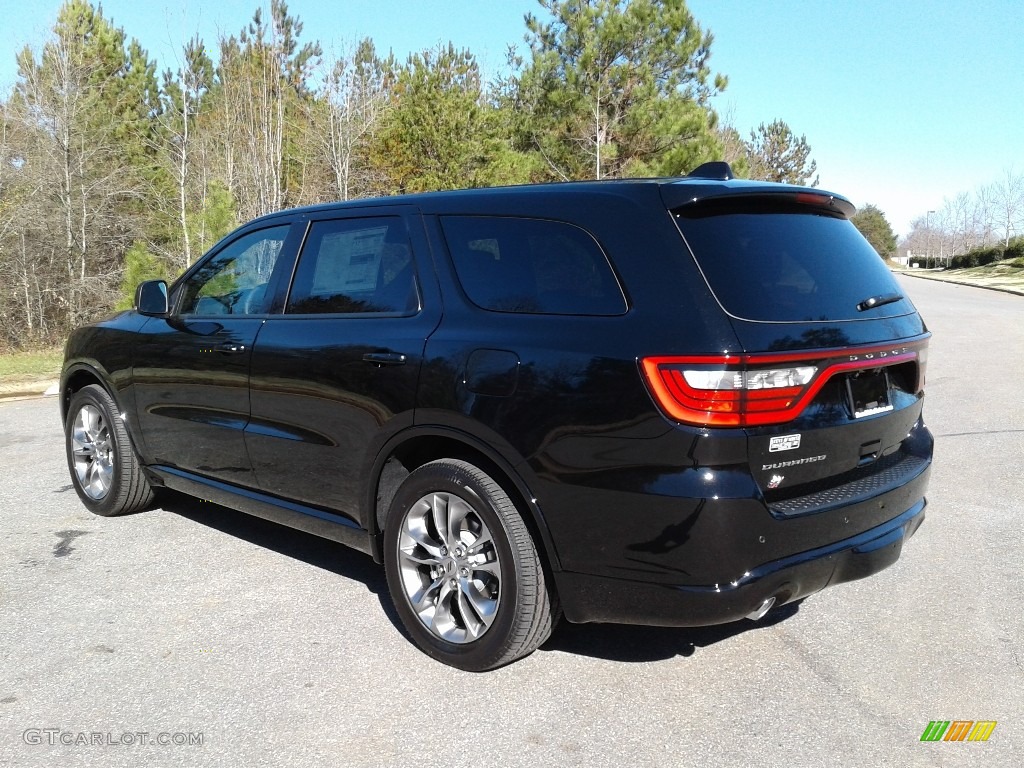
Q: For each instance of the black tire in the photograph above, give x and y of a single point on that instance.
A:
(104, 468)
(484, 603)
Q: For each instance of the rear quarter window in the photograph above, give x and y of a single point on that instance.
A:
(777, 263)
(534, 266)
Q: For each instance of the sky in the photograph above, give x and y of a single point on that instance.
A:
(903, 102)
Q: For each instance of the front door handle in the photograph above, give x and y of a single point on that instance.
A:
(231, 347)
(384, 358)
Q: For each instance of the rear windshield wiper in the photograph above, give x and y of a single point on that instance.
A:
(878, 301)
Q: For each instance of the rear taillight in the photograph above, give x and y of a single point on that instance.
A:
(751, 390)
(922, 366)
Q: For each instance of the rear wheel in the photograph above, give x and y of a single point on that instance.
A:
(104, 468)
(463, 569)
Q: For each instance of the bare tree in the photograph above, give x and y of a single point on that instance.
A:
(184, 96)
(1008, 196)
(71, 164)
(79, 109)
(734, 148)
(990, 214)
(985, 213)
(262, 73)
(352, 100)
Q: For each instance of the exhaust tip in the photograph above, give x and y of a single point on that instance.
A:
(761, 610)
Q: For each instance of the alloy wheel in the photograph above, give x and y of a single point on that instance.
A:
(93, 452)
(449, 567)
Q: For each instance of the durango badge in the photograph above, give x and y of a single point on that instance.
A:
(793, 462)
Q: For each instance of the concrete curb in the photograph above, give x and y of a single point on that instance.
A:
(28, 390)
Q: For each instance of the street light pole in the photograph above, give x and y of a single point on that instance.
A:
(928, 236)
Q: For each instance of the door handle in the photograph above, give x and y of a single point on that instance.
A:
(384, 358)
(231, 347)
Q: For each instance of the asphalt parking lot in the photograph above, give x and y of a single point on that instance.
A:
(194, 635)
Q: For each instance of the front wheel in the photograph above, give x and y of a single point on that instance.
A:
(104, 469)
(463, 570)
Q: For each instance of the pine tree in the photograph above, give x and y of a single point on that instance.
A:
(439, 132)
(775, 153)
(876, 229)
(618, 87)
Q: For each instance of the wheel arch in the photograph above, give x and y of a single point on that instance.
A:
(78, 377)
(83, 373)
(417, 446)
(128, 488)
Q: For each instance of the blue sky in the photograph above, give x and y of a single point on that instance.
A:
(904, 102)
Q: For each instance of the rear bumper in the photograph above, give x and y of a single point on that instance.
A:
(589, 598)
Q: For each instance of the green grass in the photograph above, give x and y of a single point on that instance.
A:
(1008, 268)
(42, 364)
(1007, 274)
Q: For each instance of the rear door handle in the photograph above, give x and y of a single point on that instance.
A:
(384, 358)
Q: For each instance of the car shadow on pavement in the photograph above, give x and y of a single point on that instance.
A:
(616, 642)
(604, 641)
(314, 550)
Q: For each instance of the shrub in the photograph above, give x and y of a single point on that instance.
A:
(1015, 250)
(139, 265)
(978, 257)
(988, 255)
(964, 260)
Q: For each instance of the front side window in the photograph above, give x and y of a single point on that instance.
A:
(234, 281)
(355, 266)
(534, 266)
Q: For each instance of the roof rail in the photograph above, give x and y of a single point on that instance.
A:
(713, 170)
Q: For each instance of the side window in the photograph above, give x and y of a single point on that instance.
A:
(355, 266)
(234, 281)
(535, 266)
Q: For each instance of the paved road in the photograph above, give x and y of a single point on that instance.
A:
(282, 650)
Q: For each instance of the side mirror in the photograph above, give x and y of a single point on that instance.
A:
(151, 298)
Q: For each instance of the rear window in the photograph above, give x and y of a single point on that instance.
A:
(777, 263)
(534, 266)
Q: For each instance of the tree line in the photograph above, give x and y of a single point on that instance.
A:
(111, 172)
(982, 223)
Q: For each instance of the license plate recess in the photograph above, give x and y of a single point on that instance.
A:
(868, 392)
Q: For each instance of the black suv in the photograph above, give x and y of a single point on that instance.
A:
(672, 402)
